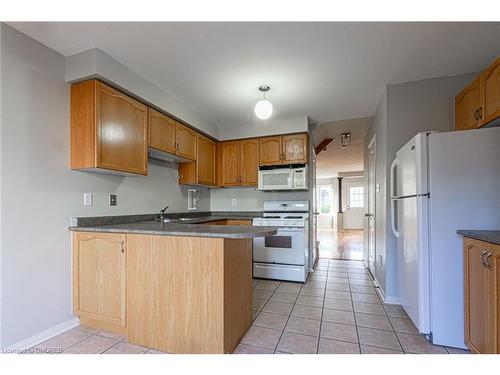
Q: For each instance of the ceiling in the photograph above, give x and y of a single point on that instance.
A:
(336, 159)
(327, 71)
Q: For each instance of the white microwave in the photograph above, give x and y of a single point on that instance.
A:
(283, 179)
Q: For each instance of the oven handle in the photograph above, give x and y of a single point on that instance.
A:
(290, 230)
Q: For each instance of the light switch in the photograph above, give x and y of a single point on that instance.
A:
(112, 199)
(233, 201)
(87, 199)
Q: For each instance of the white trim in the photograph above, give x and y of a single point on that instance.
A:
(392, 300)
(42, 336)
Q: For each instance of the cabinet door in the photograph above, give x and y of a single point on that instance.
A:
(249, 161)
(242, 223)
(230, 163)
(270, 150)
(295, 148)
(99, 272)
(481, 290)
(466, 107)
(161, 131)
(186, 141)
(205, 161)
(121, 131)
(489, 109)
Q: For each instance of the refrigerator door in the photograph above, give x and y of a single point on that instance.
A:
(413, 255)
(465, 194)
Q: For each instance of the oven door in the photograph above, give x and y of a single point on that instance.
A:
(285, 247)
(276, 179)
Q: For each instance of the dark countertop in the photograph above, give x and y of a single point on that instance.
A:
(492, 236)
(193, 227)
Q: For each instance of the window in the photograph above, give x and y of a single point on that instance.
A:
(356, 197)
(325, 199)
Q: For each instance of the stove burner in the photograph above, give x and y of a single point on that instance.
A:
(272, 217)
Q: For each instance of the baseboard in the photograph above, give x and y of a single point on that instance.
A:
(392, 300)
(42, 336)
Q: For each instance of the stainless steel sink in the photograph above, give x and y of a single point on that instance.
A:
(166, 220)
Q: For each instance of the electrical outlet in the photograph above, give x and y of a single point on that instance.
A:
(73, 222)
(87, 199)
(112, 199)
(233, 201)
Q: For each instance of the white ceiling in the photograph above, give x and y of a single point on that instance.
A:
(336, 159)
(327, 71)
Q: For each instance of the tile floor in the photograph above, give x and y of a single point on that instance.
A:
(337, 311)
(343, 244)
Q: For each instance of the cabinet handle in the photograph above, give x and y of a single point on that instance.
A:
(123, 249)
(480, 113)
(486, 263)
(475, 115)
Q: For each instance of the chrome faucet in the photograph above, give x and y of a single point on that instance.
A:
(162, 213)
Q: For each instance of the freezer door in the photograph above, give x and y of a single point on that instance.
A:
(413, 267)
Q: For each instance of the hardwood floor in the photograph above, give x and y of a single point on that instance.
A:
(344, 244)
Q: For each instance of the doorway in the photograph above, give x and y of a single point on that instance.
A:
(371, 206)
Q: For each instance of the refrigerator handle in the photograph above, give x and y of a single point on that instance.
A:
(393, 177)
(393, 218)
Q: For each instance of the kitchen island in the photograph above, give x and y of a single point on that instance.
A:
(174, 287)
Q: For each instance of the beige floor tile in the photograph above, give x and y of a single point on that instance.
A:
(267, 285)
(337, 286)
(258, 304)
(152, 351)
(456, 350)
(338, 304)
(278, 308)
(337, 274)
(273, 321)
(307, 312)
(249, 349)
(126, 348)
(111, 335)
(419, 345)
(298, 344)
(337, 331)
(360, 282)
(338, 280)
(303, 326)
(327, 346)
(357, 270)
(315, 284)
(368, 298)
(366, 349)
(262, 337)
(255, 282)
(91, 345)
(368, 308)
(317, 277)
(359, 276)
(373, 321)
(338, 316)
(403, 325)
(395, 311)
(310, 301)
(292, 288)
(62, 342)
(313, 292)
(381, 339)
(363, 289)
(338, 295)
(262, 294)
(86, 329)
(320, 272)
(283, 297)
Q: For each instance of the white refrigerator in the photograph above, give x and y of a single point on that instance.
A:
(441, 182)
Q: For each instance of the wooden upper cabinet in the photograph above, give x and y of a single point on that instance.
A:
(249, 161)
(482, 303)
(186, 141)
(271, 150)
(205, 164)
(489, 108)
(108, 129)
(230, 163)
(467, 106)
(295, 148)
(161, 132)
(99, 274)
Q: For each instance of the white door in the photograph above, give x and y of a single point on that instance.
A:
(354, 203)
(370, 213)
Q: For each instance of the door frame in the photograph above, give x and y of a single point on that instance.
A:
(371, 194)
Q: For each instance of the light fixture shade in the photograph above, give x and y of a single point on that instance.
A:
(263, 109)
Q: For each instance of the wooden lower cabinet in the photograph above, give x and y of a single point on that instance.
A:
(188, 294)
(99, 280)
(239, 222)
(482, 302)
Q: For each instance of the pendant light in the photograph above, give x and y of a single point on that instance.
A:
(264, 108)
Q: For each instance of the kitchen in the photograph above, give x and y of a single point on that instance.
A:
(133, 198)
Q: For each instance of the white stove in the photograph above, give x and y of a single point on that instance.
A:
(284, 256)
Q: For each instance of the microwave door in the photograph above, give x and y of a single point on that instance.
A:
(274, 180)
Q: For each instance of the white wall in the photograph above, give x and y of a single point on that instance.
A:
(266, 127)
(405, 110)
(39, 194)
